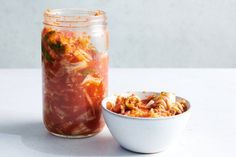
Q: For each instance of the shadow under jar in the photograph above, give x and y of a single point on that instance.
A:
(75, 71)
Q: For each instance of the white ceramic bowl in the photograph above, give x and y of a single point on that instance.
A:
(144, 135)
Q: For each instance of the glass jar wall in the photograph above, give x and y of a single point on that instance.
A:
(75, 71)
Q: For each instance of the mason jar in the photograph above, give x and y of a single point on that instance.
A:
(75, 71)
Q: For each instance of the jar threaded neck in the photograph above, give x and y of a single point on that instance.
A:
(74, 18)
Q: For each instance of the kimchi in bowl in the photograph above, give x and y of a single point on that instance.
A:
(144, 134)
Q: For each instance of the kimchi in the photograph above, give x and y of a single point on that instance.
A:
(75, 69)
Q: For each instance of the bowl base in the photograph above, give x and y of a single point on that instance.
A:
(143, 152)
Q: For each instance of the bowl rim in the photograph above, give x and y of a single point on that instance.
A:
(143, 118)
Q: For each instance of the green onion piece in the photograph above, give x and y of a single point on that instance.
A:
(46, 54)
(88, 71)
(58, 47)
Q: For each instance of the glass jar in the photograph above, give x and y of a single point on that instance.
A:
(75, 71)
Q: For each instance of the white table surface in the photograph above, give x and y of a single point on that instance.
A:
(211, 130)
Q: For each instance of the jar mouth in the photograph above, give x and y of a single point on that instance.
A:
(74, 18)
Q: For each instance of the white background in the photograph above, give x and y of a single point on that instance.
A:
(144, 33)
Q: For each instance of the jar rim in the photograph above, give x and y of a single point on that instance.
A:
(74, 17)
